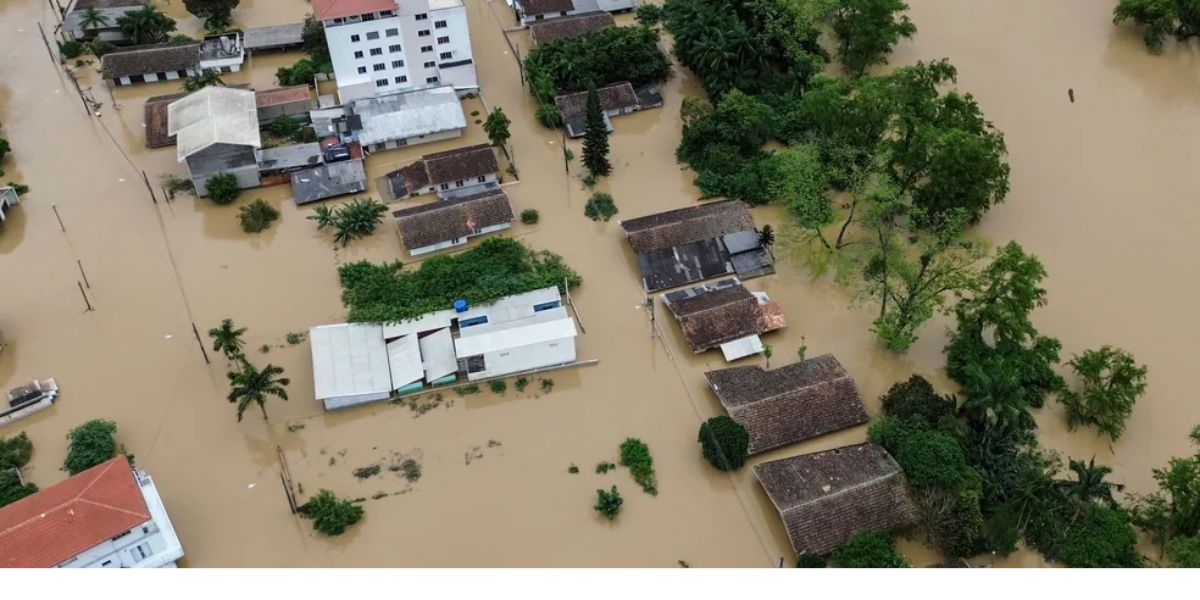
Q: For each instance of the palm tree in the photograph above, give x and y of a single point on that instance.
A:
(227, 339)
(203, 79)
(1089, 484)
(324, 216)
(766, 239)
(147, 25)
(251, 385)
(92, 19)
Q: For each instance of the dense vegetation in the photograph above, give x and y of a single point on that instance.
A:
(495, 268)
(350, 221)
(724, 443)
(217, 14)
(331, 515)
(1110, 383)
(1171, 514)
(868, 549)
(597, 59)
(635, 455)
(608, 503)
(1160, 19)
(223, 188)
(147, 25)
(91, 444)
(15, 453)
(257, 216)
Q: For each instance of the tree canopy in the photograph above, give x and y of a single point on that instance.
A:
(331, 515)
(1110, 383)
(91, 444)
(724, 443)
(868, 549)
(611, 55)
(1160, 19)
(595, 137)
(146, 25)
(867, 30)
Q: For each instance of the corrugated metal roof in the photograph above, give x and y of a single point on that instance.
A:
(213, 115)
(349, 359)
(437, 355)
(404, 361)
(409, 114)
(545, 326)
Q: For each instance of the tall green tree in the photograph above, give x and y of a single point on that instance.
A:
(227, 339)
(867, 30)
(1110, 384)
(868, 549)
(1089, 484)
(91, 444)
(203, 79)
(217, 14)
(1160, 19)
(251, 385)
(1174, 509)
(91, 19)
(595, 137)
(496, 127)
(146, 25)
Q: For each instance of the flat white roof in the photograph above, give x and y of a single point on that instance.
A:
(742, 347)
(554, 325)
(404, 361)
(213, 115)
(437, 352)
(409, 114)
(349, 359)
(426, 322)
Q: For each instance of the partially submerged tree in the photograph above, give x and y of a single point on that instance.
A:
(202, 80)
(217, 14)
(15, 451)
(1110, 383)
(496, 127)
(868, 549)
(331, 515)
(1173, 511)
(257, 216)
(595, 137)
(252, 386)
(146, 25)
(223, 188)
(608, 503)
(867, 30)
(1160, 19)
(91, 19)
(227, 339)
(724, 443)
(91, 444)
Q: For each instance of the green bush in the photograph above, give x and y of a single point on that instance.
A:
(91, 444)
(608, 503)
(520, 384)
(357, 219)
(600, 206)
(806, 560)
(330, 514)
(530, 216)
(284, 126)
(301, 73)
(651, 14)
(635, 454)
(20, 188)
(1184, 552)
(71, 48)
(498, 386)
(916, 397)
(1103, 538)
(495, 268)
(257, 216)
(15, 452)
(11, 488)
(868, 549)
(607, 56)
(724, 442)
(223, 188)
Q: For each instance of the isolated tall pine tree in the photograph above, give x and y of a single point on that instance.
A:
(595, 137)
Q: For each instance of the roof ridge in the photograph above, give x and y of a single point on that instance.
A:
(842, 492)
(60, 505)
(114, 508)
(791, 391)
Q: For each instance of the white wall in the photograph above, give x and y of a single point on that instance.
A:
(525, 358)
(151, 544)
(352, 84)
(433, 137)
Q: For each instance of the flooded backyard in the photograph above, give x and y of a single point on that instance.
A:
(1100, 191)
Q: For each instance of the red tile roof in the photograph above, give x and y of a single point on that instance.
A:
(333, 9)
(287, 95)
(71, 516)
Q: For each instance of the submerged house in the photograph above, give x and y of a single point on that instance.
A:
(110, 515)
(544, 32)
(165, 62)
(724, 315)
(534, 11)
(615, 100)
(448, 223)
(216, 131)
(8, 199)
(107, 30)
(357, 363)
(789, 404)
(459, 170)
(407, 118)
(328, 180)
(295, 102)
(686, 245)
(824, 497)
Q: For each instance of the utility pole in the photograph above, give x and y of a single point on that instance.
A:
(85, 298)
(203, 352)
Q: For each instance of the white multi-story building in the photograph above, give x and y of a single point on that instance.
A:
(385, 46)
(109, 516)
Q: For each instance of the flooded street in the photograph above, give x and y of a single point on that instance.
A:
(1101, 191)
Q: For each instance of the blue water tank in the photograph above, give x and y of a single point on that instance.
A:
(460, 305)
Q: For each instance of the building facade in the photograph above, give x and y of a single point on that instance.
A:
(384, 46)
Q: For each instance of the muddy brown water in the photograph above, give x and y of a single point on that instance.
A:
(1100, 190)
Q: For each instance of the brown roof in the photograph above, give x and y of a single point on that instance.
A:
(824, 497)
(541, 7)
(286, 95)
(160, 58)
(686, 225)
(156, 120)
(71, 516)
(789, 404)
(612, 97)
(98, 4)
(460, 164)
(544, 32)
(446, 220)
(722, 313)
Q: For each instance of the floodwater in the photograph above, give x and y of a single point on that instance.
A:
(1098, 191)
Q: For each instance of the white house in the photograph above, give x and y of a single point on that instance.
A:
(107, 28)
(8, 199)
(357, 363)
(167, 62)
(384, 46)
(109, 516)
(216, 131)
(408, 118)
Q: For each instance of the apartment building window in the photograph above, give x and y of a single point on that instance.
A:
(431, 80)
(429, 64)
(439, 24)
(423, 33)
(142, 550)
(378, 66)
(355, 38)
(426, 48)
(395, 48)
(362, 70)
(392, 32)
(372, 35)
(401, 79)
(446, 55)
(445, 186)
(376, 51)
(380, 82)
(422, 17)
(358, 54)
(445, 39)
(397, 64)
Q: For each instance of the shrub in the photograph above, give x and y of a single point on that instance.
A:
(71, 48)
(301, 73)
(284, 126)
(916, 397)
(11, 488)
(530, 216)
(15, 452)
(806, 560)
(520, 384)
(91, 444)
(357, 219)
(1103, 538)
(330, 514)
(868, 549)
(573, 469)
(466, 390)
(20, 188)
(608, 503)
(294, 338)
(548, 115)
(1111, 382)
(1184, 552)
(547, 385)
(98, 47)
(635, 454)
(498, 386)
(603, 467)
(5, 148)
(607, 56)
(653, 14)
(600, 206)
(257, 216)
(223, 188)
(724, 442)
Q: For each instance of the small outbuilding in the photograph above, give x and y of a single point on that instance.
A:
(824, 497)
(686, 245)
(448, 223)
(295, 102)
(724, 315)
(328, 181)
(616, 99)
(789, 404)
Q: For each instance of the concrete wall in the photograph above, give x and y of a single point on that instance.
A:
(348, 401)
(433, 137)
